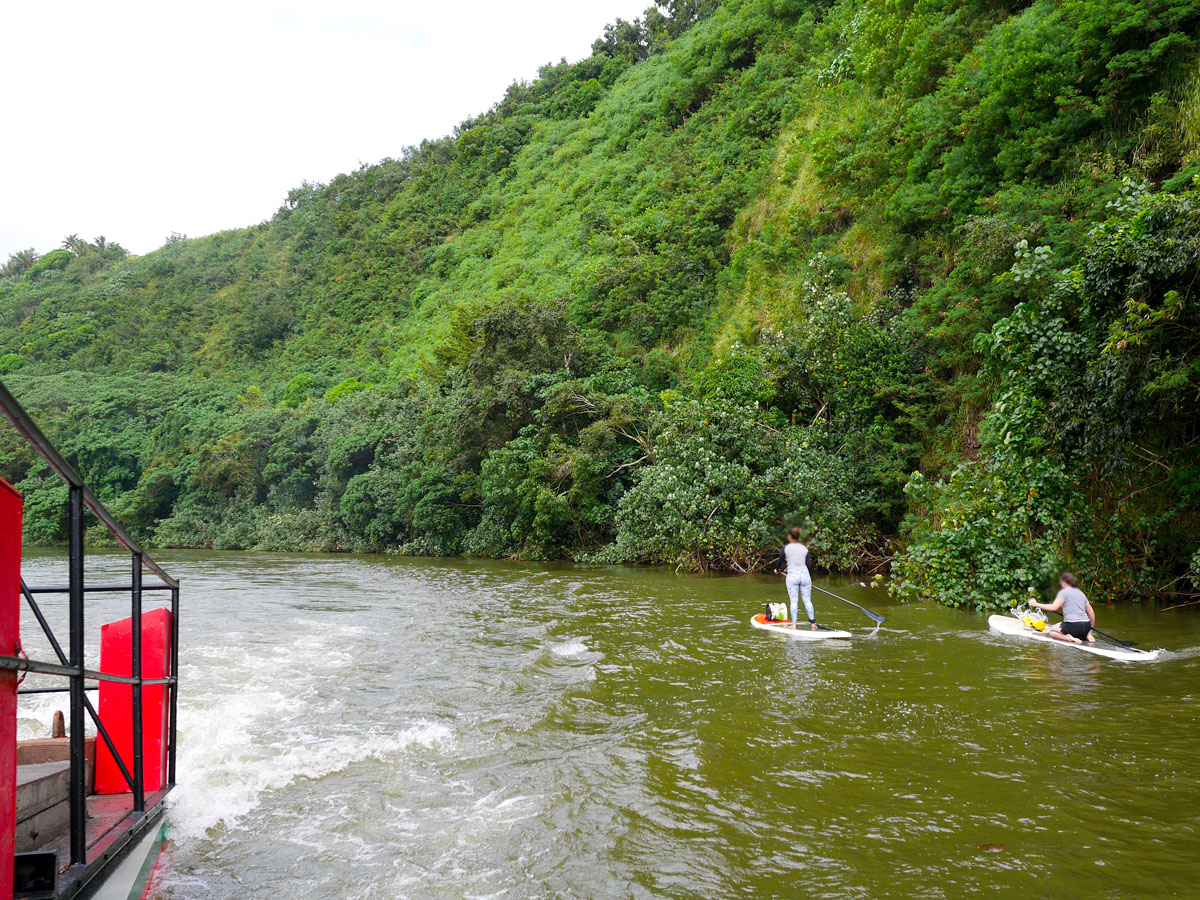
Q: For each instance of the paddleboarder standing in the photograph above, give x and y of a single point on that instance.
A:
(794, 560)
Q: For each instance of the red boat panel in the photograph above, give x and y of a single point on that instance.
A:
(10, 643)
(116, 701)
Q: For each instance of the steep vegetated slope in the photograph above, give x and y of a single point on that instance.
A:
(919, 275)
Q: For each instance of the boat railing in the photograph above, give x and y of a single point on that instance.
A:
(69, 664)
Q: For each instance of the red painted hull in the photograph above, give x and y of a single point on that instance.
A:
(10, 643)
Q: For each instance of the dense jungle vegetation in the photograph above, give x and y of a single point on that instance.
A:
(921, 275)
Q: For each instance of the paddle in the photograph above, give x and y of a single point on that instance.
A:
(874, 615)
(1107, 637)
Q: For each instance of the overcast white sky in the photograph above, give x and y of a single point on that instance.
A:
(137, 119)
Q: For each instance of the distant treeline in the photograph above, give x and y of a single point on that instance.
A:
(921, 277)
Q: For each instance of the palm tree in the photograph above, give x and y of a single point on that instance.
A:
(20, 262)
(76, 245)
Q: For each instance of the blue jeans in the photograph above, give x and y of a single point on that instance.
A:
(799, 582)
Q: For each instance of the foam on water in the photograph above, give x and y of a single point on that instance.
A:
(252, 724)
(35, 713)
(572, 647)
(222, 786)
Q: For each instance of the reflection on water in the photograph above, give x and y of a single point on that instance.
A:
(365, 727)
(1065, 677)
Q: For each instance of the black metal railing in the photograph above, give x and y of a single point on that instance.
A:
(70, 664)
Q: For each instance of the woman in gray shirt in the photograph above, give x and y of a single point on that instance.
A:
(794, 559)
(1078, 616)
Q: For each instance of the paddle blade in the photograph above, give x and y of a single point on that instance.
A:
(874, 615)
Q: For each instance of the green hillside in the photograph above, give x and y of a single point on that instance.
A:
(919, 275)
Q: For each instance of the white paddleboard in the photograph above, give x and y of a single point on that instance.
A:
(1017, 628)
(803, 633)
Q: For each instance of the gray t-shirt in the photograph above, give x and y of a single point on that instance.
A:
(1074, 608)
(796, 556)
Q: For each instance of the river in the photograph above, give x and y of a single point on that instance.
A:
(370, 727)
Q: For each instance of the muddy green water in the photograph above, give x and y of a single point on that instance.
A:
(365, 727)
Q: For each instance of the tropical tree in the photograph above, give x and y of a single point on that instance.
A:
(20, 263)
(76, 245)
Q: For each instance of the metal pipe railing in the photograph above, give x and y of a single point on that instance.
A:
(37, 611)
(78, 784)
(173, 723)
(112, 747)
(98, 588)
(139, 782)
(70, 664)
(24, 424)
(21, 664)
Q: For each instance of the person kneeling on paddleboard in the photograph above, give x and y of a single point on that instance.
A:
(1078, 616)
(794, 559)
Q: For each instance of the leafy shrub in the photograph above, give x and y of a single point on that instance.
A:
(342, 389)
(49, 263)
(1095, 380)
(723, 486)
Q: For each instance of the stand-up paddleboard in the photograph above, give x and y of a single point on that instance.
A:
(1017, 628)
(803, 633)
